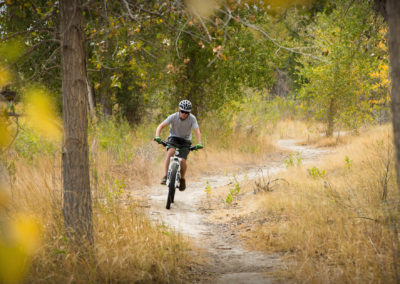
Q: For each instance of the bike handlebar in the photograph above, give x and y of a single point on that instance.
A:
(165, 144)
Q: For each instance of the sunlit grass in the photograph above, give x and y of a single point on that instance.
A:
(336, 228)
(128, 246)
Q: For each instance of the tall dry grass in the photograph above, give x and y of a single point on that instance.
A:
(128, 246)
(229, 146)
(336, 222)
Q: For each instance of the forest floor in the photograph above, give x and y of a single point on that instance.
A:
(218, 228)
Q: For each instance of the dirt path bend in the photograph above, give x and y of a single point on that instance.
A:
(229, 261)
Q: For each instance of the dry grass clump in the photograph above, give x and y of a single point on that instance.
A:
(299, 129)
(250, 140)
(336, 221)
(128, 247)
(320, 140)
(139, 170)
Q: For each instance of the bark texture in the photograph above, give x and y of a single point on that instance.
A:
(393, 19)
(77, 207)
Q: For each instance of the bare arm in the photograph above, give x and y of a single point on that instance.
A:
(198, 135)
(159, 128)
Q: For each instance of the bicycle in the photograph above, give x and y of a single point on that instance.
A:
(174, 173)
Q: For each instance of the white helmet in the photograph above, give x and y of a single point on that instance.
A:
(185, 105)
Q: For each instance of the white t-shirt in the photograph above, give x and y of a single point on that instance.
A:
(181, 128)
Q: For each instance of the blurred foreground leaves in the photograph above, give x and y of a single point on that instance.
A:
(20, 234)
(40, 113)
(5, 76)
(18, 241)
(11, 50)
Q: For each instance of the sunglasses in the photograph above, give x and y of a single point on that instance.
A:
(184, 112)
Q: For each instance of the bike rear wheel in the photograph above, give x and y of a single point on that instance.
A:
(171, 186)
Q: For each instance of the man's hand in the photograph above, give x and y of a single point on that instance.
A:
(158, 139)
(199, 146)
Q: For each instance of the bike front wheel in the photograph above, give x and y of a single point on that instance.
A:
(171, 186)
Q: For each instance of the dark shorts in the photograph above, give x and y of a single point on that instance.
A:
(182, 144)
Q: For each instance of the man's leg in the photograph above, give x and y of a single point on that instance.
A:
(170, 153)
(182, 184)
(183, 168)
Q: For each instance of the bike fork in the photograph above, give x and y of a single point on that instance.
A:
(174, 160)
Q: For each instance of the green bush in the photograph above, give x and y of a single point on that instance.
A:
(114, 136)
(29, 145)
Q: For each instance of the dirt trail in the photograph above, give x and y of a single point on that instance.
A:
(230, 262)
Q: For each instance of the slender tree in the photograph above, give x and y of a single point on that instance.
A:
(77, 206)
(393, 19)
(390, 9)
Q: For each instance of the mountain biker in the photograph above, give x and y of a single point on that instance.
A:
(180, 135)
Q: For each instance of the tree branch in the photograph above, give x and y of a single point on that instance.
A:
(130, 12)
(36, 25)
(177, 38)
(223, 44)
(32, 48)
(274, 41)
(202, 23)
(161, 16)
(87, 4)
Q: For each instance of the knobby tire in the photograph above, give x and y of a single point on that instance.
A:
(171, 187)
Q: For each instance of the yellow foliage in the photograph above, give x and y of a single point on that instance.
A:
(21, 241)
(40, 113)
(285, 4)
(26, 232)
(382, 46)
(5, 76)
(11, 50)
(5, 136)
(383, 67)
(382, 76)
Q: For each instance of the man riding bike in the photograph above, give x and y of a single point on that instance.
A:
(180, 135)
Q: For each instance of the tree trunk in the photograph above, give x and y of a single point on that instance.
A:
(393, 17)
(393, 20)
(77, 208)
(331, 117)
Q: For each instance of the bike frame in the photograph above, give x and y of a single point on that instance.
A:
(174, 163)
(174, 160)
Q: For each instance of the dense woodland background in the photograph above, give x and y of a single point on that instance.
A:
(247, 67)
(328, 57)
